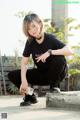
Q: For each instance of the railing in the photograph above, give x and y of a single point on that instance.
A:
(4, 70)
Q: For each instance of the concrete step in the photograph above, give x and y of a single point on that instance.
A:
(69, 100)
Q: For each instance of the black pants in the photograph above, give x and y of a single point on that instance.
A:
(52, 76)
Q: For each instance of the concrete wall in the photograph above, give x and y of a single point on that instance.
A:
(59, 12)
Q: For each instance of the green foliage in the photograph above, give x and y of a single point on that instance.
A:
(75, 59)
(69, 20)
(77, 27)
(21, 14)
(13, 89)
(60, 32)
(74, 71)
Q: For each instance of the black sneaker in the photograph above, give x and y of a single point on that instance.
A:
(28, 100)
(33, 99)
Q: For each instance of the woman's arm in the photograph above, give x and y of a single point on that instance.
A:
(24, 63)
(24, 83)
(66, 51)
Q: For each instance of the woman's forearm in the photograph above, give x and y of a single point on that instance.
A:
(66, 51)
(24, 63)
(23, 72)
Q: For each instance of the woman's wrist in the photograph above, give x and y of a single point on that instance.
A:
(50, 52)
(24, 81)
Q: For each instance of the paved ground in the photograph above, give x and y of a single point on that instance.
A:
(10, 105)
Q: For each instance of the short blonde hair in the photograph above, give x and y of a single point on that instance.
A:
(27, 20)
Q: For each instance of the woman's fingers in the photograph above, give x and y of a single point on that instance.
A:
(43, 60)
(40, 59)
(22, 90)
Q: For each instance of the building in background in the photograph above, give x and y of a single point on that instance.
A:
(59, 12)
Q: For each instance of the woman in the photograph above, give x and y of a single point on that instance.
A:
(48, 55)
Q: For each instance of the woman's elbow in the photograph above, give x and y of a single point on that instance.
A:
(69, 51)
(24, 61)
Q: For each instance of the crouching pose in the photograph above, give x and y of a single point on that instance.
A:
(48, 54)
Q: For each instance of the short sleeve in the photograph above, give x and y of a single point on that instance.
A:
(57, 44)
(27, 51)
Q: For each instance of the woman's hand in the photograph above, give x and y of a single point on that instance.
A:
(43, 57)
(24, 88)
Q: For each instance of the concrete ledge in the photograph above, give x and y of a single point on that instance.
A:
(65, 100)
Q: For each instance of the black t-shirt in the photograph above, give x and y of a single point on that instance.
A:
(36, 49)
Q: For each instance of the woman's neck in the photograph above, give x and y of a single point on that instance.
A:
(40, 39)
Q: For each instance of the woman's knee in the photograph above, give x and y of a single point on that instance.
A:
(13, 74)
(10, 75)
(15, 78)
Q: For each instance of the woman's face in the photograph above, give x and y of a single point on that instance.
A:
(34, 29)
